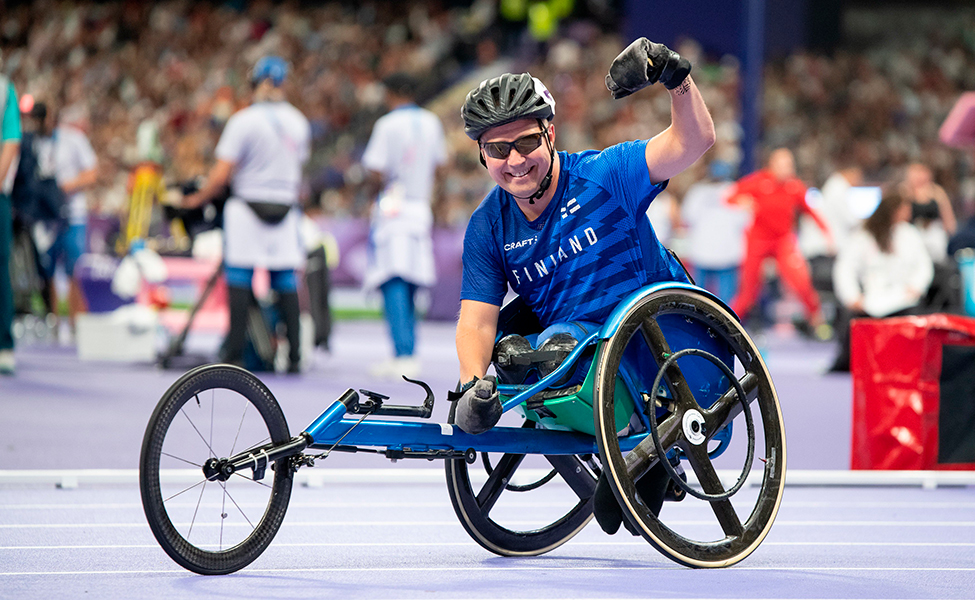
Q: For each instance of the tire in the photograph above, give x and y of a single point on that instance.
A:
(503, 529)
(213, 527)
(668, 322)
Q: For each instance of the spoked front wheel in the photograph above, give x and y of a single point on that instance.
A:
(688, 334)
(209, 524)
(522, 509)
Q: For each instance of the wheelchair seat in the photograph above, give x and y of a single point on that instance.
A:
(525, 354)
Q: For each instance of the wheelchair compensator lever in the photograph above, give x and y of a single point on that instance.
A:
(374, 405)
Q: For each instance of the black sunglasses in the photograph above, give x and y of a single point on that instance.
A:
(524, 145)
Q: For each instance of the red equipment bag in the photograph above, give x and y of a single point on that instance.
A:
(913, 393)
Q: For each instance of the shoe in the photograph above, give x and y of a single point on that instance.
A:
(823, 332)
(652, 488)
(7, 362)
(839, 367)
(408, 366)
(397, 367)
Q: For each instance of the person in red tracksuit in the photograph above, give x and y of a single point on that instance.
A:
(776, 197)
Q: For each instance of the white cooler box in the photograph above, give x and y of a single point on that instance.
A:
(128, 334)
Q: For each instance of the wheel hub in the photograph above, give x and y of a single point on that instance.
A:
(694, 430)
(217, 470)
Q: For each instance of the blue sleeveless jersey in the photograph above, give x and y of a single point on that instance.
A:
(591, 247)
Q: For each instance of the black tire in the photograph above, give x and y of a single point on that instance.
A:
(489, 527)
(661, 321)
(215, 527)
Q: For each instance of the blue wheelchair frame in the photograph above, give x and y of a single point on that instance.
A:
(662, 380)
(333, 427)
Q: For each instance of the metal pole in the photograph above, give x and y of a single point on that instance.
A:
(753, 62)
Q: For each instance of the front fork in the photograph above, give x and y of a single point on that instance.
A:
(257, 459)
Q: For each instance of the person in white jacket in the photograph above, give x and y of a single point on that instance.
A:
(883, 270)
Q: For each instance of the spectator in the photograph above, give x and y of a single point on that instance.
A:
(9, 149)
(715, 232)
(405, 151)
(776, 197)
(931, 210)
(882, 272)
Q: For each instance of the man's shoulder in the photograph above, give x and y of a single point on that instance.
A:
(489, 210)
(293, 111)
(240, 118)
(596, 161)
(795, 186)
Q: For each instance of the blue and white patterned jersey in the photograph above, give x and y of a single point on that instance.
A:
(591, 247)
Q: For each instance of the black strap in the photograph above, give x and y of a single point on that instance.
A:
(461, 390)
(271, 213)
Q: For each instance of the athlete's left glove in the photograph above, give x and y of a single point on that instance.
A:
(478, 405)
(643, 63)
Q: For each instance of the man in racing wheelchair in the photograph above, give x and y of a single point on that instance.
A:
(567, 232)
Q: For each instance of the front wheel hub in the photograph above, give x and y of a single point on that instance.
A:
(217, 469)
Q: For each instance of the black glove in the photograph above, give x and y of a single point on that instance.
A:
(643, 63)
(478, 406)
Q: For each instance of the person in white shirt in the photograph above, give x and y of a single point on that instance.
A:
(261, 154)
(884, 269)
(715, 232)
(405, 151)
(65, 155)
(836, 211)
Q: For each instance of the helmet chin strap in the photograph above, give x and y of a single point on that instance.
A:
(547, 180)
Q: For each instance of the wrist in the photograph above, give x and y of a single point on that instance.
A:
(462, 388)
(468, 385)
(681, 88)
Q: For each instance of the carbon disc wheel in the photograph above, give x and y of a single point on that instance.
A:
(696, 403)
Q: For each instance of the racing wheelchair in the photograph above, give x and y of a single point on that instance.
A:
(664, 380)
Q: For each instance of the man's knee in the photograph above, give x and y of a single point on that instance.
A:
(521, 359)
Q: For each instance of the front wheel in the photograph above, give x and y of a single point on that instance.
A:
(208, 526)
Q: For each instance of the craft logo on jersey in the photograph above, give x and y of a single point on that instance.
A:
(570, 207)
(520, 244)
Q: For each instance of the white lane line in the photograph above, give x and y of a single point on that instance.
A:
(292, 505)
(508, 523)
(499, 570)
(444, 504)
(635, 543)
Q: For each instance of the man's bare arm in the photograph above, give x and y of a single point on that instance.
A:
(690, 135)
(477, 327)
(218, 177)
(7, 155)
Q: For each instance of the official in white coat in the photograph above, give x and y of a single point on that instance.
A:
(404, 152)
(261, 153)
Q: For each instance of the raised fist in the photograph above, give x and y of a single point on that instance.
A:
(642, 63)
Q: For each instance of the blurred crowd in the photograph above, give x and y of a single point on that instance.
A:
(177, 70)
(157, 81)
